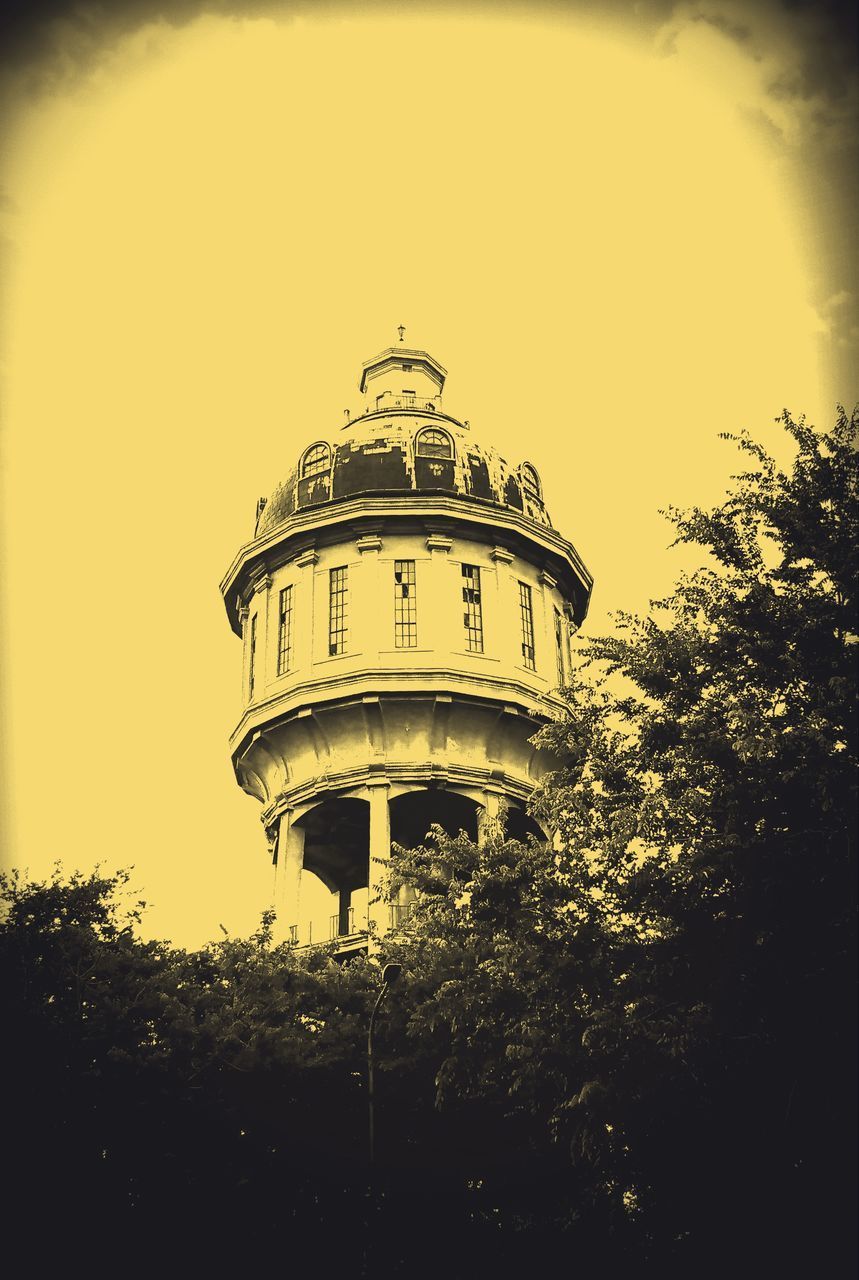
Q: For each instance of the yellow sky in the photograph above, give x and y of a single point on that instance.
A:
(214, 226)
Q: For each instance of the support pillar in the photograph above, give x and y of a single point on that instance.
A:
(490, 819)
(290, 861)
(344, 906)
(380, 854)
(507, 625)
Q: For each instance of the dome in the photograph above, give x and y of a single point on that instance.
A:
(404, 443)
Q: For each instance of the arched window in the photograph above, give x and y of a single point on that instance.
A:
(316, 459)
(531, 482)
(432, 443)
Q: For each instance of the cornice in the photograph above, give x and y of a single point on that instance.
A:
(315, 790)
(353, 689)
(393, 356)
(477, 514)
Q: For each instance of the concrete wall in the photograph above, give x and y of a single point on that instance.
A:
(441, 640)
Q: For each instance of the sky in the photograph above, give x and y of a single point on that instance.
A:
(621, 235)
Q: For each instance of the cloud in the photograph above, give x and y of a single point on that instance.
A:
(794, 65)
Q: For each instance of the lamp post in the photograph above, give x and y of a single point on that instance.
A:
(390, 974)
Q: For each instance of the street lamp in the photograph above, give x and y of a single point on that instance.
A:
(390, 974)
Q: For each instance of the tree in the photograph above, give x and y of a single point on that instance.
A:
(155, 1095)
(628, 1046)
(667, 989)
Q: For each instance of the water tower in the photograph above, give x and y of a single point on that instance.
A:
(405, 608)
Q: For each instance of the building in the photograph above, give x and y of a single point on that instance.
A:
(406, 609)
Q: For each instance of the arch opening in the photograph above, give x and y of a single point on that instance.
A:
(520, 825)
(432, 442)
(316, 459)
(414, 813)
(336, 855)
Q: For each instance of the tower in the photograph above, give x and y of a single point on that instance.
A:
(405, 608)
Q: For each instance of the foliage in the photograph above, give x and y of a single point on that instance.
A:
(625, 1045)
(709, 803)
(666, 990)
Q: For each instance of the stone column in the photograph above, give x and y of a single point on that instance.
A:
(290, 861)
(344, 905)
(380, 854)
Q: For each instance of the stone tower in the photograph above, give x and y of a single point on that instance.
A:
(405, 608)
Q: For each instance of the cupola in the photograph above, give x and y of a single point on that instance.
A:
(402, 378)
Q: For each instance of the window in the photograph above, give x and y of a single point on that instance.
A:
(530, 481)
(317, 459)
(405, 605)
(432, 443)
(473, 616)
(526, 616)
(407, 368)
(338, 611)
(252, 654)
(284, 631)
(559, 645)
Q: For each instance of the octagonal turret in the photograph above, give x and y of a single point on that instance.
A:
(406, 609)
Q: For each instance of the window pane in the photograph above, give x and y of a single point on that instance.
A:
(559, 645)
(338, 611)
(434, 444)
(526, 615)
(284, 632)
(530, 481)
(315, 460)
(405, 605)
(473, 613)
(252, 653)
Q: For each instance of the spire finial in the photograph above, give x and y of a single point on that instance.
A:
(401, 328)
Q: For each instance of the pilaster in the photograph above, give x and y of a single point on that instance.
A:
(547, 662)
(506, 622)
(304, 608)
(366, 603)
(437, 605)
(261, 603)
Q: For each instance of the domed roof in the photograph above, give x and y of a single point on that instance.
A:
(404, 443)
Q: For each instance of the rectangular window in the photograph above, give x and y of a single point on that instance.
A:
(405, 605)
(338, 611)
(559, 645)
(284, 632)
(473, 615)
(526, 617)
(252, 656)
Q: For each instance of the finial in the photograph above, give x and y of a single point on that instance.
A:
(401, 328)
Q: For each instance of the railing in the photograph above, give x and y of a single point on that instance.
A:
(389, 401)
(342, 923)
(399, 913)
